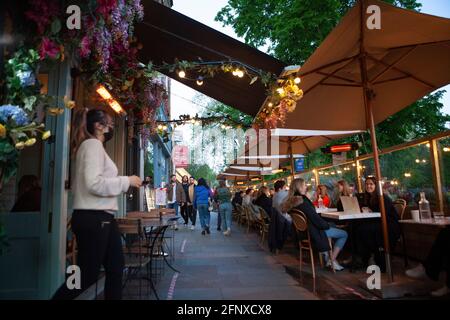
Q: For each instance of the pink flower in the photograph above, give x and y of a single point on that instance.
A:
(48, 48)
(42, 13)
(85, 51)
(104, 7)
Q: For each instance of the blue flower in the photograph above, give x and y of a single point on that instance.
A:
(14, 113)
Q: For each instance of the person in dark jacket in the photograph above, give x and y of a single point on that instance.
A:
(318, 228)
(237, 199)
(264, 201)
(369, 236)
(201, 202)
(186, 208)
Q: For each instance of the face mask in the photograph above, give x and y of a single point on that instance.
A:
(108, 135)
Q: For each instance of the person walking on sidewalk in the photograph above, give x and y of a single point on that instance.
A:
(201, 202)
(192, 211)
(223, 195)
(185, 207)
(95, 189)
(175, 195)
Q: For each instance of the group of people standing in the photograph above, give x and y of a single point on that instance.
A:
(188, 197)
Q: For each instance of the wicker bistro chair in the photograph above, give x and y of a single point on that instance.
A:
(300, 223)
(135, 252)
(242, 219)
(400, 207)
(263, 223)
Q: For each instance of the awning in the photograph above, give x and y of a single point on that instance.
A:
(168, 35)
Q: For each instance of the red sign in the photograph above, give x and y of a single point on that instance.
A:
(180, 155)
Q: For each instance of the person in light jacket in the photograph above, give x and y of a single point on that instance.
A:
(95, 189)
(201, 202)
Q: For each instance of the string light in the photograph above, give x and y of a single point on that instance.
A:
(417, 160)
(271, 105)
(446, 149)
(200, 81)
(181, 74)
(407, 174)
(297, 80)
(280, 91)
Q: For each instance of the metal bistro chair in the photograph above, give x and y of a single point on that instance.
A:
(135, 252)
(300, 223)
(400, 207)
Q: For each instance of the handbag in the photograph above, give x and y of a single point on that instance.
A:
(210, 206)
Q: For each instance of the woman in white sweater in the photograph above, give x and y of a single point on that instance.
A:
(95, 190)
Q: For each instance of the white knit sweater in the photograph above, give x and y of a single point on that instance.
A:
(96, 184)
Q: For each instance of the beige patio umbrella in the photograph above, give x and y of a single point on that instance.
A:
(359, 76)
(289, 144)
(244, 172)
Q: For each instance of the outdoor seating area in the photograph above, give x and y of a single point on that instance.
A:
(224, 150)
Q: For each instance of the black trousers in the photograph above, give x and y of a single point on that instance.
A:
(192, 214)
(186, 211)
(439, 256)
(99, 243)
(369, 240)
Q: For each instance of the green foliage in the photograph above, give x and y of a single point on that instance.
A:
(202, 171)
(293, 29)
(19, 69)
(218, 109)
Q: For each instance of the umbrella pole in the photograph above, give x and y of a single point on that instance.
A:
(384, 225)
(368, 95)
(291, 157)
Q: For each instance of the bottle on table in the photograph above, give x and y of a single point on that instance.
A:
(320, 202)
(424, 207)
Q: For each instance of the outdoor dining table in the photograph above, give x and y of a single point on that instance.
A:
(349, 217)
(150, 223)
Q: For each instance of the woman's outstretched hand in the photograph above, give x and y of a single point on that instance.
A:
(135, 181)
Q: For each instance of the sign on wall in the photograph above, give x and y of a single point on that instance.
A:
(180, 156)
(299, 164)
(161, 196)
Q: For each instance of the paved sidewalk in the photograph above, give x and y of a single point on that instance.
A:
(218, 267)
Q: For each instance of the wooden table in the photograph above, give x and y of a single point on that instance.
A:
(419, 236)
(429, 222)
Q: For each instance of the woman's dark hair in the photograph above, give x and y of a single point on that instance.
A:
(202, 182)
(185, 178)
(371, 199)
(84, 125)
(279, 184)
(248, 191)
